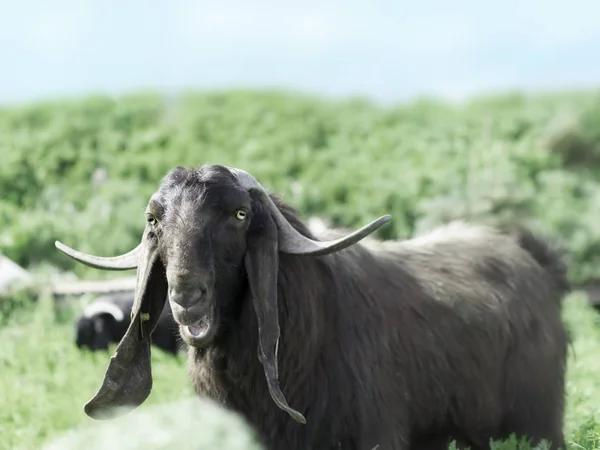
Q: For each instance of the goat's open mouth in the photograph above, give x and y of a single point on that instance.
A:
(199, 329)
(201, 333)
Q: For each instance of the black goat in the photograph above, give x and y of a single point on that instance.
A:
(455, 334)
(106, 319)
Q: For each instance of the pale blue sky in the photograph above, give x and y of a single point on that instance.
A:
(385, 49)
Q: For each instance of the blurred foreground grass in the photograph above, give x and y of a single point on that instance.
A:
(45, 381)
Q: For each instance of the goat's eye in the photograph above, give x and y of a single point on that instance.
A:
(151, 219)
(240, 214)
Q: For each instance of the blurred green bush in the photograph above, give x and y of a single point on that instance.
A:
(82, 170)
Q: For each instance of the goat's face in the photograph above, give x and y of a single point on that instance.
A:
(199, 220)
(209, 231)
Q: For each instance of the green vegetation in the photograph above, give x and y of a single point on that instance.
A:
(511, 157)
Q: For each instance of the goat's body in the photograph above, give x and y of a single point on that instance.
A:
(405, 344)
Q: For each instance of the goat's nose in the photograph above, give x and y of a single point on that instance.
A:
(187, 297)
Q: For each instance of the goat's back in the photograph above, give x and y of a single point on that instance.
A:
(464, 324)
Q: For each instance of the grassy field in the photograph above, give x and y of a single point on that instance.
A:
(45, 381)
(82, 170)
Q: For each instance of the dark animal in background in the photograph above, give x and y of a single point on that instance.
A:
(453, 335)
(106, 319)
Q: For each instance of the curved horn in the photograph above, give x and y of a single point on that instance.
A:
(291, 240)
(129, 260)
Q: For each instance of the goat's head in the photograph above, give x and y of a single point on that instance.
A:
(206, 229)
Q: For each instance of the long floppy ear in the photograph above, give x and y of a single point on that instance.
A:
(128, 379)
(262, 264)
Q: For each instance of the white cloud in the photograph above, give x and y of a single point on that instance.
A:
(552, 24)
(314, 29)
(56, 33)
(245, 22)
